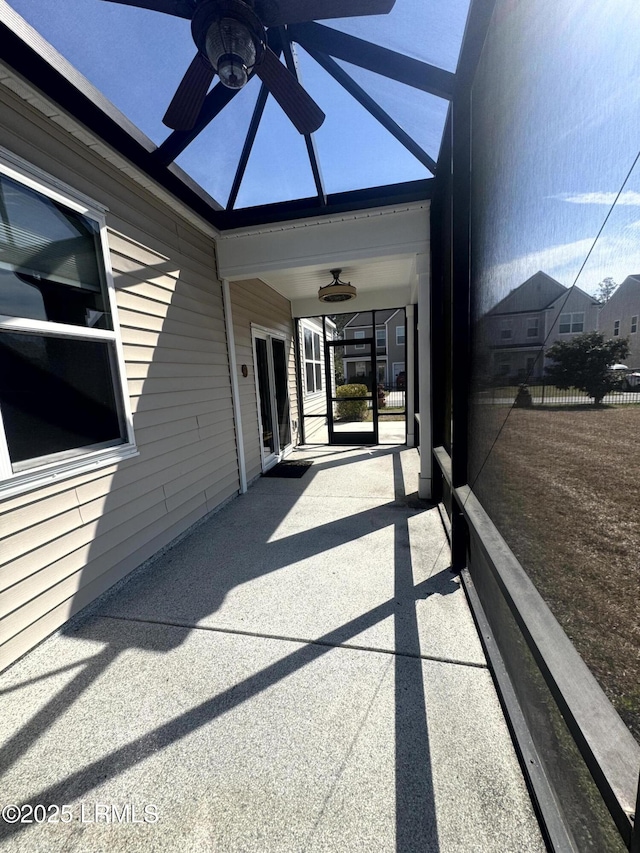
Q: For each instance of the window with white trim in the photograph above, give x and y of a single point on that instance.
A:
(616, 328)
(571, 323)
(506, 330)
(312, 361)
(358, 336)
(533, 327)
(62, 401)
(400, 336)
(381, 339)
(634, 324)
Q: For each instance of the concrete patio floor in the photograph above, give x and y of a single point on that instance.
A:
(300, 673)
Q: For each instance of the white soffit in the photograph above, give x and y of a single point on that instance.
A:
(309, 245)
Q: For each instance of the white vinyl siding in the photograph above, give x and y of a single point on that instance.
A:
(254, 301)
(63, 544)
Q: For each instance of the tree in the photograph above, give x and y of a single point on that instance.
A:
(585, 361)
(605, 290)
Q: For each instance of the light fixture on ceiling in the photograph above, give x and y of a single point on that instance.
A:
(233, 43)
(337, 291)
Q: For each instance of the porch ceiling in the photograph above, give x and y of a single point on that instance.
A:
(380, 282)
(379, 251)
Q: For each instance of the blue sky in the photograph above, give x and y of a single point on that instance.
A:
(559, 116)
(137, 57)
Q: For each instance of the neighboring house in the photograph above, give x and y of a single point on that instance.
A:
(518, 331)
(389, 346)
(619, 317)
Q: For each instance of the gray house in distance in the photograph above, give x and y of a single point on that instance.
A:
(389, 345)
(619, 317)
(523, 325)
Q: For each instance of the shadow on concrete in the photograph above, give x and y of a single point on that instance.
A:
(204, 589)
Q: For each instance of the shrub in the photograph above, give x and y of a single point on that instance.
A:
(585, 362)
(352, 410)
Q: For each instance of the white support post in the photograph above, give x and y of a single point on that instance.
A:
(235, 389)
(409, 384)
(424, 389)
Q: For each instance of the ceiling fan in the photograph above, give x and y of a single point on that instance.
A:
(232, 42)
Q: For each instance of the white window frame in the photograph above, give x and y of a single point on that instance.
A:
(314, 361)
(573, 321)
(533, 327)
(381, 334)
(400, 329)
(616, 328)
(78, 461)
(506, 330)
(358, 335)
(634, 324)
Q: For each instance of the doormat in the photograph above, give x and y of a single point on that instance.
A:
(290, 470)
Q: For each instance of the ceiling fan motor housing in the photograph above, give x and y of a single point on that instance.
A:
(231, 36)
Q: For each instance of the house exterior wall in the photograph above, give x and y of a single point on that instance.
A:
(64, 543)
(623, 306)
(396, 353)
(576, 301)
(254, 302)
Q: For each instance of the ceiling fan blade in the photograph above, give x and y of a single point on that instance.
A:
(300, 107)
(190, 94)
(276, 12)
(179, 8)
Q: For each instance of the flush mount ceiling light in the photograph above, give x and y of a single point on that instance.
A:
(337, 291)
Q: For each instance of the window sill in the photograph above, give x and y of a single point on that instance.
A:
(37, 479)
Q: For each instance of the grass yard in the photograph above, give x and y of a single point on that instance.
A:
(563, 487)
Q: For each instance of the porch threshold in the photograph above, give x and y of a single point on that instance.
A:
(301, 673)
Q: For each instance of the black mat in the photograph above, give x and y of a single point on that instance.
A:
(290, 470)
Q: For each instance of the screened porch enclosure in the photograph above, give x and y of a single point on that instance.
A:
(354, 379)
(477, 180)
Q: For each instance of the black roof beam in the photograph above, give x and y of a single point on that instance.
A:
(373, 108)
(381, 60)
(286, 211)
(256, 118)
(314, 161)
